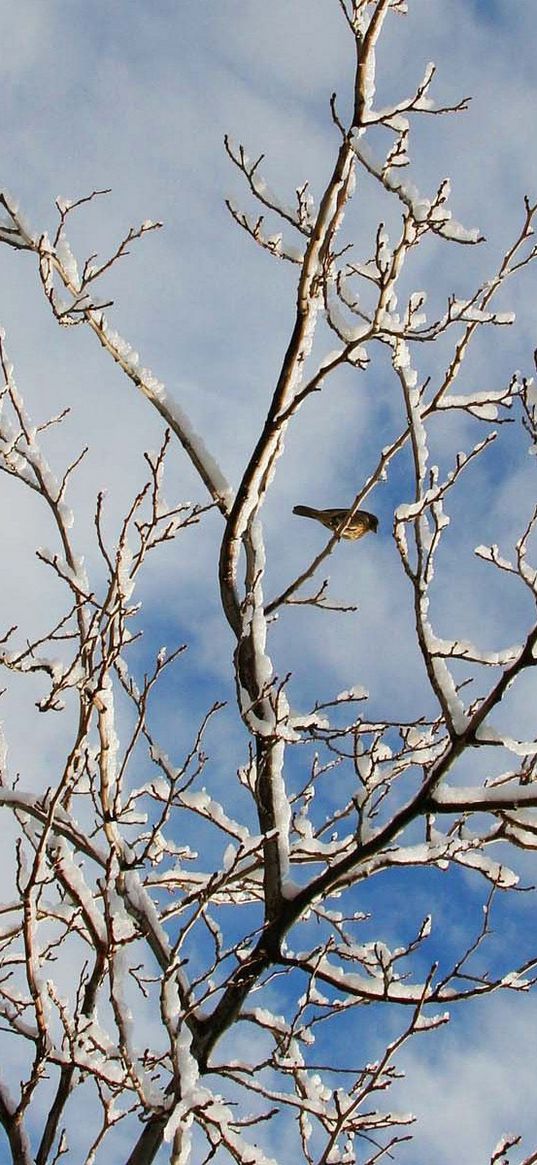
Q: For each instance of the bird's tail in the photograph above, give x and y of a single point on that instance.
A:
(305, 511)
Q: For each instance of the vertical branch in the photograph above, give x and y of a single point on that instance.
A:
(246, 617)
(12, 1123)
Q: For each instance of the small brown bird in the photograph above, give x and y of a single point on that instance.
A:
(360, 523)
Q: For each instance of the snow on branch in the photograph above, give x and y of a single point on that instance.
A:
(57, 263)
(302, 218)
(427, 214)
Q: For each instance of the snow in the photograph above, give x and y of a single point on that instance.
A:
(369, 83)
(305, 721)
(490, 736)
(454, 704)
(182, 422)
(459, 234)
(172, 412)
(267, 1019)
(485, 797)
(138, 899)
(229, 858)
(464, 649)
(500, 875)
(429, 1022)
(480, 405)
(290, 889)
(68, 262)
(282, 809)
(349, 333)
(74, 877)
(331, 357)
(355, 693)
(401, 359)
(369, 986)
(423, 211)
(468, 311)
(491, 554)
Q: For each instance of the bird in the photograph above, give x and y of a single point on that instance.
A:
(360, 523)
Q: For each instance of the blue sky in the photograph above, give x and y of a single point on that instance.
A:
(137, 98)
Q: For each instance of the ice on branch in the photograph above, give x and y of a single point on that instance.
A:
(368, 90)
(459, 234)
(305, 721)
(467, 311)
(446, 684)
(492, 554)
(483, 405)
(422, 101)
(487, 735)
(302, 217)
(121, 347)
(488, 797)
(463, 649)
(495, 872)
(430, 1022)
(380, 984)
(68, 261)
(14, 227)
(207, 807)
(402, 363)
(356, 693)
(274, 244)
(396, 116)
(349, 333)
(425, 212)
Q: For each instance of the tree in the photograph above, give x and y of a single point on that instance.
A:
(172, 955)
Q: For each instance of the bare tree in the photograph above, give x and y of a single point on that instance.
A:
(175, 996)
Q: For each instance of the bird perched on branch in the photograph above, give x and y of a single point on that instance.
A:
(360, 523)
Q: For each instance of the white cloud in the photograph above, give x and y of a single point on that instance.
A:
(470, 1085)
